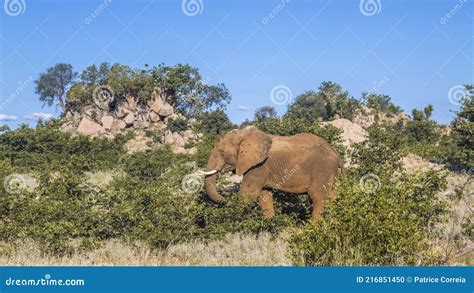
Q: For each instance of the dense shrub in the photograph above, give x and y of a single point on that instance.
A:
(214, 123)
(146, 203)
(63, 207)
(46, 146)
(330, 100)
(388, 226)
(380, 103)
(177, 125)
(264, 113)
(422, 129)
(460, 146)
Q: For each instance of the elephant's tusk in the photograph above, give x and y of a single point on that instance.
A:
(208, 173)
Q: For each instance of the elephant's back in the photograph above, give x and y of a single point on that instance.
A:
(308, 145)
(301, 141)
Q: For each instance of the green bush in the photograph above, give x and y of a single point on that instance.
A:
(62, 208)
(214, 123)
(460, 147)
(47, 147)
(386, 226)
(177, 125)
(330, 100)
(145, 203)
(380, 103)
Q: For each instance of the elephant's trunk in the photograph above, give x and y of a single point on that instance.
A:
(212, 190)
(215, 163)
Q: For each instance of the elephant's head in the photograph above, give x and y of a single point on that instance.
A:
(241, 150)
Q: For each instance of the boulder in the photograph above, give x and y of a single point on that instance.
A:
(188, 134)
(93, 113)
(90, 128)
(142, 116)
(153, 117)
(118, 124)
(69, 117)
(107, 122)
(124, 109)
(141, 124)
(191, 151)
(132, 104)
(351, 132)
(174, 138)
(179, 140)
(129, 119)
(166, 110)
(76, 118)
(413, 163)
(178, 150)
(68, 127)
(140, 143)
(168, 137)
(156, 104)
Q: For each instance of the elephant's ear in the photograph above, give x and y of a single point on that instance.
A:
(253, 149)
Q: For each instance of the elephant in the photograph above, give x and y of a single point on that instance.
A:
(298, 164)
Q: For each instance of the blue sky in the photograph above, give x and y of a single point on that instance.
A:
(415, 51)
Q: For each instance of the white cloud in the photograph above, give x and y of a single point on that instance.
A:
(4, 117)
(38, 116)
(243, 108)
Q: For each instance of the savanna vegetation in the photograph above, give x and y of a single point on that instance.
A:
(382, 215)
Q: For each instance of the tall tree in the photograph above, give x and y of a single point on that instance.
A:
(330, 100)
(53, 84)
(264, 113)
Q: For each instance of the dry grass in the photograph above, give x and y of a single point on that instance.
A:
(234, 250)
(456, 247)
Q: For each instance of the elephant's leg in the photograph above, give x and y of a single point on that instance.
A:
(252, 185)
(266, 203)
(318, 197)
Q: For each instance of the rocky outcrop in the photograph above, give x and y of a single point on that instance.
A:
(152, 116)
(97, 120)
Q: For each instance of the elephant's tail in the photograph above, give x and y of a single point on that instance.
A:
(342, 169)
